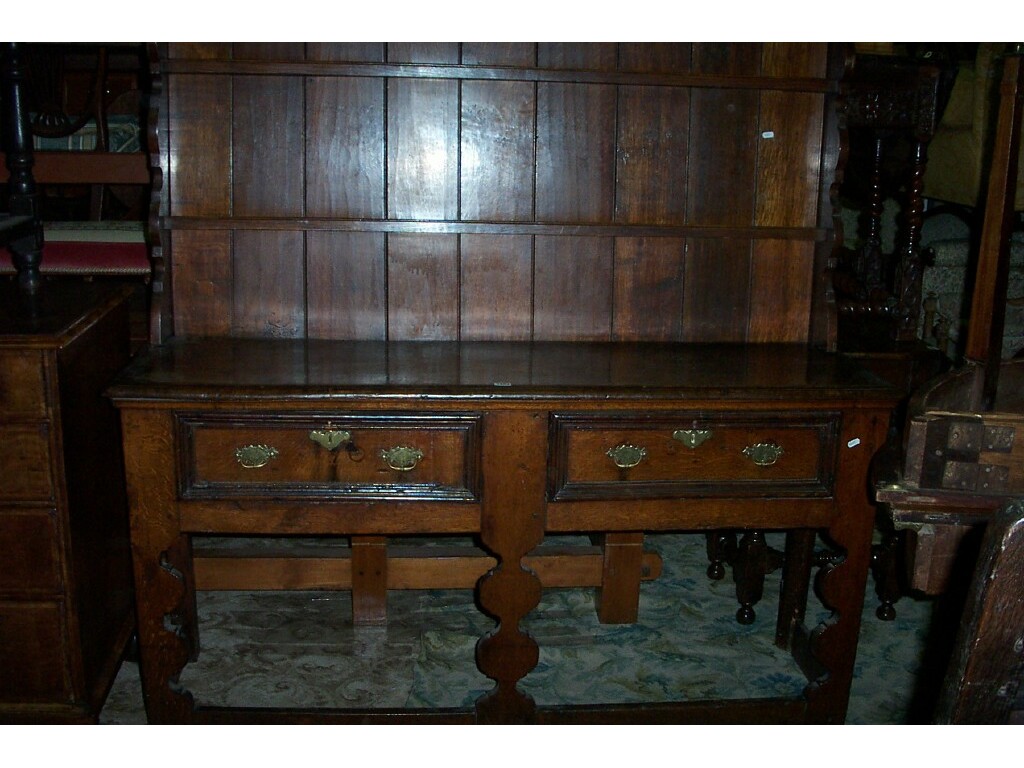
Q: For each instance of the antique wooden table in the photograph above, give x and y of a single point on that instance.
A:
(509, 441)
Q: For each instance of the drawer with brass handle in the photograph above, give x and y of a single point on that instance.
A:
(330, 456)
(708, 454)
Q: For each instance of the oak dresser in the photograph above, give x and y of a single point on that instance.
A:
(498, 291)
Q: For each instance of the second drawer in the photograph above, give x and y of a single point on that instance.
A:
(688, 454)
(335, 457)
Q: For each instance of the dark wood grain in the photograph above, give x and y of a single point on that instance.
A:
(575, 152)
(496, 287)
(423, 53)
(781, 274)
(423, 290)
(727, 58)
(268, 51)
(573, 288)
(723, 140)
(655, 57)
(346, 285)
(267, 143)
(788, 159)
(199, 50)
(602, 56)
(497, 151)
(345, 147)
(200, 120)
(500, 54)
(716, 290)
(265, 265)
(793, 60)
(203, 282)
(422, 155)
(365, 52)
(648, 298)
(635, 142)
(651, 155)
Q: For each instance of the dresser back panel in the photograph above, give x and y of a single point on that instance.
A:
(661, 192)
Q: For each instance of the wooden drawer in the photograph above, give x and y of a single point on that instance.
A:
(337, 457)
(25, 463)
(28, 541)
(33, 654)
(22, 385)
(686, 454)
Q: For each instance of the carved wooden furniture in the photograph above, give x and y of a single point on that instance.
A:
(889, 104)
(963, 454)
(510, 441)
(66, 609)
(20, 225)
(985, 681)
(67, 91)
(549, 269)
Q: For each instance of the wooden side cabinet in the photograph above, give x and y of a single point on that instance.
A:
(66, 611)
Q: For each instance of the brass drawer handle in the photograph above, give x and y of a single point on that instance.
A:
(330, 438)
(626, 456)
(691, 438)
(763, 454)
(401, 458)
(255, 456)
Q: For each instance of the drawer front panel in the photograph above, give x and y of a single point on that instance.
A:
(22, 388)
(25, 463)
(33, 653)
(28, 541)
(332, 457)
(728, 454)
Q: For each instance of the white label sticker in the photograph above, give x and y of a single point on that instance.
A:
(767, 134)
(853, 443)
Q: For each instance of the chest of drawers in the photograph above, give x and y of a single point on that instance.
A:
(508, 442)
(65, 585)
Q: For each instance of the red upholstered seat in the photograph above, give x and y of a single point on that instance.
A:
(92, 248)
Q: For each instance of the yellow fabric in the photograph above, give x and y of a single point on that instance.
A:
(954, 172)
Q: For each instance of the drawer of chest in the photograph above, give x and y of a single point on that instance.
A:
(31, 557)
(332, 457)
(22, 384)
(25, 462)
(688, 454)
(33, 643)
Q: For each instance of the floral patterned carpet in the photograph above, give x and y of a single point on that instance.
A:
(300, 649)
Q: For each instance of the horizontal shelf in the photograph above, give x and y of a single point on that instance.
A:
(466, 72)
(409, 226)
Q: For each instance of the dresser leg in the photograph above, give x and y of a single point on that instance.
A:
(512, 524)
(618, 597)
(796, 580)
(369, 580)
(161, 554)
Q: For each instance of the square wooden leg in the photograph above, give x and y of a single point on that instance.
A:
(618, 597)
(369, 580)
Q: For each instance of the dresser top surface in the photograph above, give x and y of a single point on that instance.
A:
(258, 369)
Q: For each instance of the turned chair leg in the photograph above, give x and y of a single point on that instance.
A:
(884, 569)
(754, 560)
(751, 560)
(721, 548)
